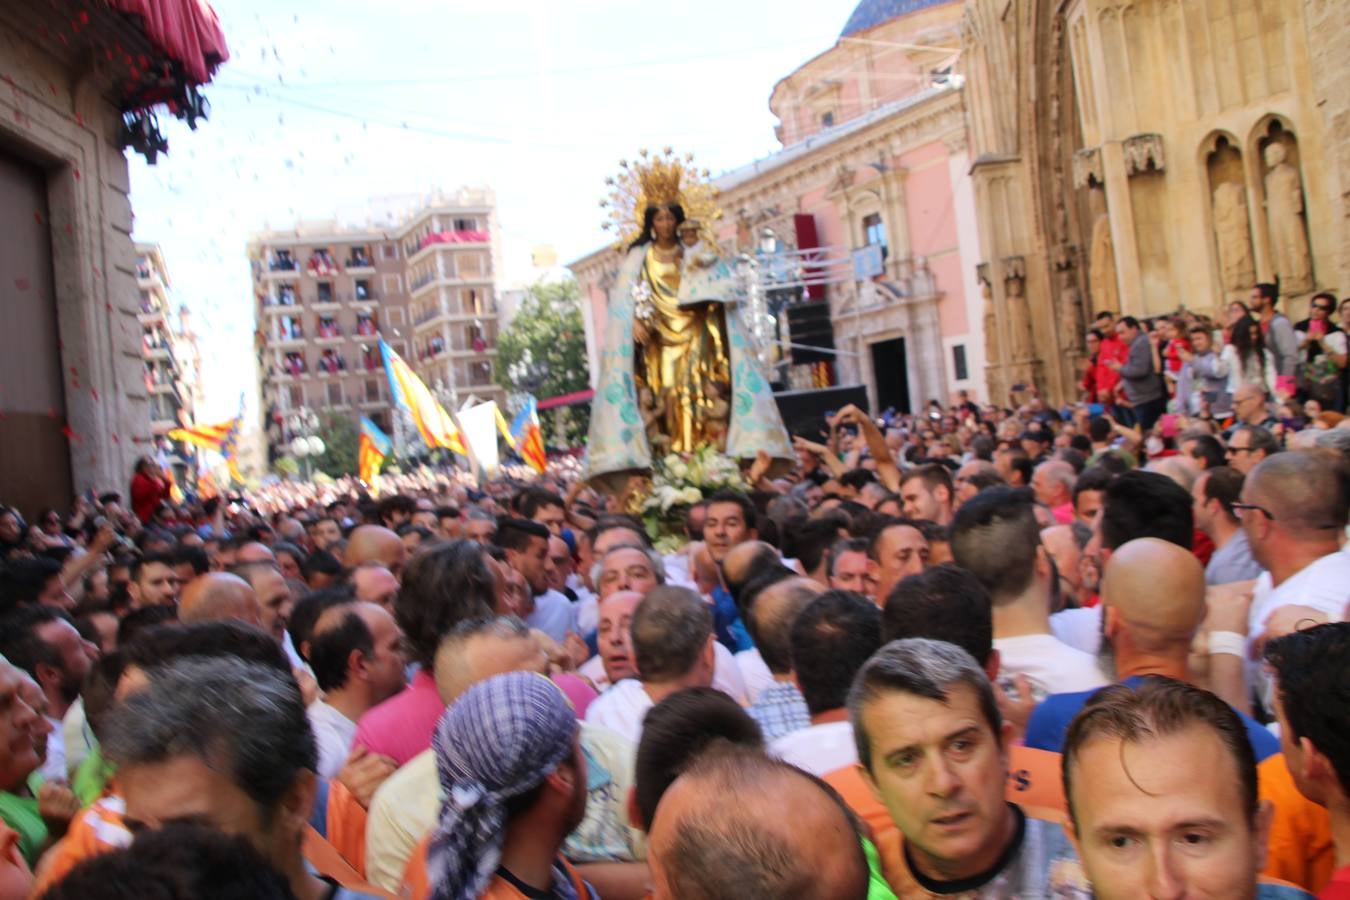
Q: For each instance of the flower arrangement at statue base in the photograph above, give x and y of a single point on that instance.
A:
(679, 480)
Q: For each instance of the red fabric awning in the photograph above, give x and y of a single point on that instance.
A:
(187, 31)
(455, 237)
(566, 399)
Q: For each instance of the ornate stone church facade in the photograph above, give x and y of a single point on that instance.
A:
(1146, 155)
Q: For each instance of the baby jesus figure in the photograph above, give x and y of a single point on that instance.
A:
(695, 255)
(653, 418)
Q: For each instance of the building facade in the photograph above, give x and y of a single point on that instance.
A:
(1144, 155)
(873, 170)
(74, 405)
(325, 293)
(169, 353)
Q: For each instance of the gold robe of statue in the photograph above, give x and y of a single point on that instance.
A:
(684, 362)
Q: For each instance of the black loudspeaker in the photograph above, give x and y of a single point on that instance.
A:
(809, 324)
(804, 412)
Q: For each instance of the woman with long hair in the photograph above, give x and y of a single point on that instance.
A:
(1245, 358)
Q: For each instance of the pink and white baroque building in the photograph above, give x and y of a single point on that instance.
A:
(873, 169)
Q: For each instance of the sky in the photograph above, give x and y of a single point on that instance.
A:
(324, 105)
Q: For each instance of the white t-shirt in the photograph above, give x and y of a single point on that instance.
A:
(620, 709)
(588, 612)
(554, 615)
(754, 673)
(77, 737)
(333, 734)
(1080, 628)
(819, 749)
(593, 670)
(727, 675)
(1323, 585)
(54, 767)
(677, 571)
(1052, 666)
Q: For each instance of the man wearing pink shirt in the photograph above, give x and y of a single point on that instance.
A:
(442, 586)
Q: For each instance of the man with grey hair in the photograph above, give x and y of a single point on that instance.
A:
(1053, 482)
(225, 742)
(673, 645)
(933, 746)
(627, 567)
(480, 526)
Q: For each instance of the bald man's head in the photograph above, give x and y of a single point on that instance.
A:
(254, 552)
(742, 560)
(375, 543)
(771, 617)
(1181, 469)
(216, 596)
(1154, 591)
(481, 648)
(705, 848)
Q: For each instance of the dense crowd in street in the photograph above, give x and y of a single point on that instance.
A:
(983, 651)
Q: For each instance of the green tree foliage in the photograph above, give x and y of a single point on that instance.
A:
(550, 326)
(340, 439)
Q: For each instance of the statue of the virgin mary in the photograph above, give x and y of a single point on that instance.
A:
(678, 371)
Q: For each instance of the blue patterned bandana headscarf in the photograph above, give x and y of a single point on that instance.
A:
(498, 741)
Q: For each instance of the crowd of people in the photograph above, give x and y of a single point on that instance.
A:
(1200, 368)
(980, 651)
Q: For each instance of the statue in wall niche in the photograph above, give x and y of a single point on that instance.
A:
(1070, 311)
(1231, 231)
(1288, 231)
(1102, 268)
(1019, 317)
(991, 348)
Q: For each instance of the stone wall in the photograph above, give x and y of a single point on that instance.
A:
(53, 115)
(1328, 29)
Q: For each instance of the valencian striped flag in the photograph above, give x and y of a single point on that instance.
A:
(222, 438)
(373, 447)
(526, 436)
(433, 422)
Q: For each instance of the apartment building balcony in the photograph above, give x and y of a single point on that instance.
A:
(448, 240)
(150, 315)
(332, 303)
(332, 365)
(471, 352)
(431, 318)
(281, 270)
(420, 284)
(161, 427)
(359, 263)
(368, 301)
(285, 339)
(156, 351)
(321, 264)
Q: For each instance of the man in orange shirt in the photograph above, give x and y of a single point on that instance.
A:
(1312, 669)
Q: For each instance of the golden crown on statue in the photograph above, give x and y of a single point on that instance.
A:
(658, 179)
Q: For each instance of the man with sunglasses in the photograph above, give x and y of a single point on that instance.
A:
(1293, 509)
(1321, 353)
(1248, 446)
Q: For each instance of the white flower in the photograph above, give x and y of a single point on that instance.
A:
(679, 470)
(690, 495)
(667, 495)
